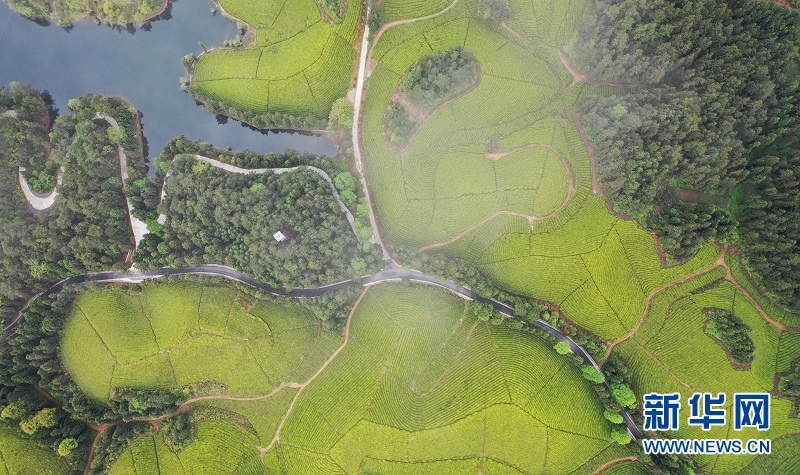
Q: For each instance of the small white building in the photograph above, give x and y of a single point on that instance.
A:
(280, 237)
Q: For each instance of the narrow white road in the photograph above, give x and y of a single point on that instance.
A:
(137, 225)
(260, 171)
(362, 72)
(38, 201)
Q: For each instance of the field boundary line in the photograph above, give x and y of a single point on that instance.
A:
(664, 367)
(649, 300)
(449, 368)
(303, 386)
(729, 277)
(498, 361)
(571, 190)
(438, 351)
(91, 324)
(577, 76)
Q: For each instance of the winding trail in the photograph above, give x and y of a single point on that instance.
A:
(391, 272)
(365, 55)
(577, 76)
(279, 171)
(720, 263)
(649, 300)
(421, 116)
(39, 201)
(405, 21)
(137, 225)
(610, 464)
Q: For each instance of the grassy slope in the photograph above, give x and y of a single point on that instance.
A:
(299, 65)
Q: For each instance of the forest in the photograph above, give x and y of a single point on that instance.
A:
(87, 229)
(64, 12)
(713, 90)
(438, 76)
(32, 378)
(214, 216)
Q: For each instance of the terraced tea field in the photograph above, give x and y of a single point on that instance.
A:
(23, 456)
(299, 65)
(522, 207)
(546, 231)
(179, 334)
(414, 380)
(659, 360)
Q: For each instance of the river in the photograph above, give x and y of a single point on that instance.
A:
(141, 66)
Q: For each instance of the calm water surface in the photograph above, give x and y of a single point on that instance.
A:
(141, 66)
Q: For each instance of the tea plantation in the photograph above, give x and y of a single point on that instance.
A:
(418, 385)
(21, 455)
(173, 336)
(299, 64)
(499, 174)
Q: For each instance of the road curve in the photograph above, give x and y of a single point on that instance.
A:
(391, 273)
(138, 226)
(278, 171)
(39, 201)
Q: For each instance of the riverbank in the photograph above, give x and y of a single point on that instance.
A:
(115, 16)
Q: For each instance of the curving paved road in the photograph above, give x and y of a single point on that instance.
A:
(137, 225)
(39, 201)
(391, 273)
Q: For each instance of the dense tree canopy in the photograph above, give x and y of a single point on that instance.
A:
(768, 210)
(214, 216)
(87, 229)
(730, 329)
(714, 84)
(64, 12)
(435, 77)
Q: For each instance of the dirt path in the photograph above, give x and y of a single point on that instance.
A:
(421, 116)
(303, 386)
(406, 21)
(577, 76)
(99, 429)
(571, 190)
(649, 300)
(729, 277)
(721, 262)
(610, 464)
